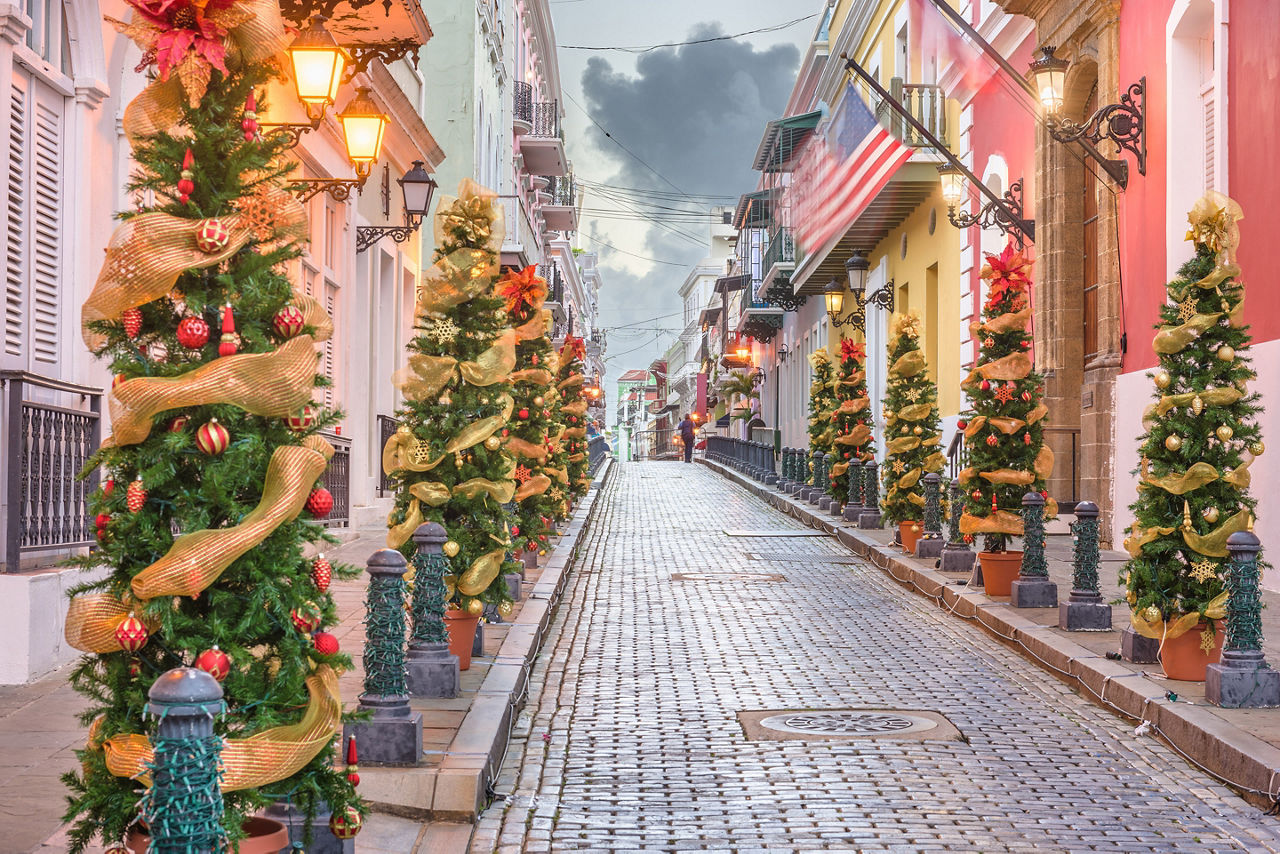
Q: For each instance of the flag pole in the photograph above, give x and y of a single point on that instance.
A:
(1027, 227)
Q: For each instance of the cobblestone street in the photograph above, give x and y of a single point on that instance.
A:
(632, 739)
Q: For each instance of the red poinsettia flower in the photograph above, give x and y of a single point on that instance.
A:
(576, 347)
(183, 27)
(852, 350)
(523, 288)
(1009, 275)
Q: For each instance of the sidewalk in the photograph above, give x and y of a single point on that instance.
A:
(39, 731)
(1241, 746)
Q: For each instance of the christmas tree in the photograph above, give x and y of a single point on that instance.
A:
(1201, 438)
(911, 424)
(211, 473)
(1004, 427)
(853, 441)
(448, 458)
(573, 410)
(822, 403)
(529, 440)
(557, 456)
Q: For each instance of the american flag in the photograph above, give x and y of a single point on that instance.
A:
(841, 171)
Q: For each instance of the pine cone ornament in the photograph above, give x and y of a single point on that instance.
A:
(132, 319)
(135, 496)
(321, 573)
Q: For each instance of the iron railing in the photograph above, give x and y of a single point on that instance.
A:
(927, 104)
(387, 426)
(957, 455)
(755, 459)
(562, 190)
(555, 282)
(597, 450)
(337, 479)
(546, 120)
(656, 445)
(45, 447)
(522, 102)
(1064, 483)
(782, 248)
(519, 226)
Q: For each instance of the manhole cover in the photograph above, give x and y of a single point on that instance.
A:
(725, 576)
(842, 724)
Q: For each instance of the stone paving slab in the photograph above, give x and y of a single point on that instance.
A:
(631, 741)
(1241, 745)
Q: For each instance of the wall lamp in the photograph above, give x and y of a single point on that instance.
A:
(363, 126)
(1123, 123)
(418, 187)
(856, 268)
(1007, 217)
(783, 352)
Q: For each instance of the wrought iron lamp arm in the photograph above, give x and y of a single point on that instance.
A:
(883, 297)
(1123, 123)
(993, 216)
(339, 189)
(367, 235)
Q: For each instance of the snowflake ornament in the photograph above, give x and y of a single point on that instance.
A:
(522, 474)
(1204, 569)
(443, 330)
(260, 210)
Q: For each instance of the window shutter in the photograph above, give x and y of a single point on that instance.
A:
(15, 220)
(46, 225)
(330, 306)
(1210, 111)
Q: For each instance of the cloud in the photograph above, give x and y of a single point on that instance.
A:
(695, 114)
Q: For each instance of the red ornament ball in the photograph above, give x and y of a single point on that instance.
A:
(531, 546)
(1026, 396)
(212, 438)
(325, 643)
(301, 420)
(288, 321)
(132, 322)
(212, 236)
(176, 425)
(321, 573)
(1026, 438)
(306, 618)
(214, 662)
(960, 425)
(346, 823)
(515, 530)
(977, 495)
(523, 414)
(986, 385)
(320, 502)
(134, 668)
(131, 634)
(102, 520)
(193, 333)
(992, 440)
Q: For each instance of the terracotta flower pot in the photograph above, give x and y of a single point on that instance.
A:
(1182, 658)
(462, 635)
(909, 534)
(999, 569)
(266, 836)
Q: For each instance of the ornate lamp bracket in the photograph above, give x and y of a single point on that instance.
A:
(1123, 123)
(339, 189)
(1008, 218)
(367, 235)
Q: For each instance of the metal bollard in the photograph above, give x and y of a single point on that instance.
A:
(433, 670)
(956, 554)
(183, 807)
(1032, 588)
(806, 475)
(819, 477)
(393, 735)
(1243, 679)
(771, 459)
(1084, 611)
(930, 545)
(870, 518)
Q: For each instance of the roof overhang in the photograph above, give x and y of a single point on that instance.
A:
(782, 138)
(910, 186)
(753, 210)
(728, 284)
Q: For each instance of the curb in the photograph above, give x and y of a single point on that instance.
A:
(458, 788)
(1242, 760)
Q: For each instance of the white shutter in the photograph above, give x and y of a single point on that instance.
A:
(15, 220)
(46, 224)
(326, 361)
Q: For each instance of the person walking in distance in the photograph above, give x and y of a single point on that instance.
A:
(687, 429)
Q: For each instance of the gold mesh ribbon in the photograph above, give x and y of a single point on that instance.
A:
(1036, 414)
(1210, 396)
(916, 498)
(532, 330)
(459, 277)
(1174, 339)
(535, 485)
(1014, 366)
(909, 479)
(481, 573)
(577, 458)
(263, 757)
(1214, 543)
(1007, 322)
(935, 462)
(92, 620)
(499, 491)
(855, 378)
(975, 424)
(406, 451)
(854, 405)
(476, 211)
(526, 449)
(430, 493)
(908, 364)
(494, 364)
(273, 384)
(533, 376)
(902, 443)
(195, 560)
(1006, 424)
(915, 412)
(1139, 537)
(476, 432)
(1213, 224)
(159, 248)
(314, 315)
(1158, 629)
(424, 376)
(575, 433)
(1193, 478)
(575, 379)
(999, 522)
(967, 475)
(1043, 466)
(838, 469)
(1008, 476)
(579, 408)
(398, 535)
(559, 474)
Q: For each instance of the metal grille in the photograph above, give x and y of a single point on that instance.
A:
(596, 451)
(45, 447)
(337, 479)
(546, 119)
(387, 427)
(522, 102)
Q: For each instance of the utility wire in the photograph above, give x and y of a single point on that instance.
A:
(647, 48)
(600, 242)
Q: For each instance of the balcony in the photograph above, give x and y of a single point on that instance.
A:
(760, 320)
(521, 245)
(521, 107)
(925, 102)
(543, 146)
(561, 211)
(779, 256)
(555, 289)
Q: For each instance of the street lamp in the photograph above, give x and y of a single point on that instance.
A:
(1123, 124)
(318, 62)
(1007, 217)
(363, 125)
(418, 187)
(952, 185)
(856, 269)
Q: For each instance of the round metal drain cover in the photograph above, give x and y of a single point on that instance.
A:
(850, 723)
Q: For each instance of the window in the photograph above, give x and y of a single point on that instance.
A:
(1089, 245)
(48, 34)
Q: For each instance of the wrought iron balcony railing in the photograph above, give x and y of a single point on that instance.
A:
(563, 191)
(555, 282)
(522, 103)
(782, 248)
(546, 120)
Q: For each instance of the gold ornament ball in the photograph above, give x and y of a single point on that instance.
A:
(1197, 405)
(493, 443)
(1224, 433)
(1151, 614)
(505, 609)
(1226, 353)
(917, 429)
(475, 607)
(1174, 442)
(537, 401)
(1256, 448)
(1163, 379)
(542, 552)
(451, 548)
(1210, 514)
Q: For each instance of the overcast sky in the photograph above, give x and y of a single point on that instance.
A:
(695, 114)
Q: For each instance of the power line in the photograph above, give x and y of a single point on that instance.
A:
(632, 254)
(641, 160)
(708, 40)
